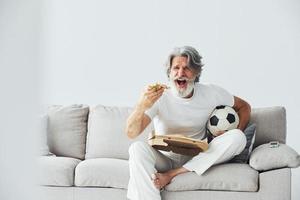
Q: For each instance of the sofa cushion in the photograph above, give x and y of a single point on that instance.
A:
(244, 156)
(106, 136)
(56, 171)
(229, 176)
(43, 149)
(266, 157)
(108, 172)
(102, 172)
(270, 124)
(67, 128)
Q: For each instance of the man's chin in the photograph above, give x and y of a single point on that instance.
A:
(183, 93)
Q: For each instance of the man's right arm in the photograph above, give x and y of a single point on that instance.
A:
(138, 120)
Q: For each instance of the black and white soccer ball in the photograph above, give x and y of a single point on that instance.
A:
(223, 118)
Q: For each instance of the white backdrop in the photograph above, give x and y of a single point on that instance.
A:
(105, 52)
(19, 33)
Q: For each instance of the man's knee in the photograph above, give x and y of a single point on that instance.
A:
(139, 149)
(237, 137)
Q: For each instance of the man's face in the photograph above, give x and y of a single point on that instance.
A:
(181, 77)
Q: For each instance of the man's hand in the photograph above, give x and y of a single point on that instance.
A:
(150, 95)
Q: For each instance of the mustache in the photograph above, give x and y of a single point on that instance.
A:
(182, 79)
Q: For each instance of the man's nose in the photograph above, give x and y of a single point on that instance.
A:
(181, 72)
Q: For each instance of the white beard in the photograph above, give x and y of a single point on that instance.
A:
(180, 91)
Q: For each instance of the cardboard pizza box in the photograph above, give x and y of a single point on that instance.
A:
(178, 144)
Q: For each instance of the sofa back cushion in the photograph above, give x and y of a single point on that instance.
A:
(106, 137)
(270, 124)
(244, 156)
(67, 128)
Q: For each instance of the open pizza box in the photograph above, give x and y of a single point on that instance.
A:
(178, 144)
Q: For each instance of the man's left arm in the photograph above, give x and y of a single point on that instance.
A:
(243, 109)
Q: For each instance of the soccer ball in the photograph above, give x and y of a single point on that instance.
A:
(223, 118)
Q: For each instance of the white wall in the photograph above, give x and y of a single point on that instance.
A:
(105, 52)
(19, 25)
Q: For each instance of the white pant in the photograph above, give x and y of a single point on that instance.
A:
(144, 160)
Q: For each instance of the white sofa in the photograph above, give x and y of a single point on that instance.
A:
(91, 161)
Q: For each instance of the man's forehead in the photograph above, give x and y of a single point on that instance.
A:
(179, 60)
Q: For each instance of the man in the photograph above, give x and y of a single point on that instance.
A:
(182, 109)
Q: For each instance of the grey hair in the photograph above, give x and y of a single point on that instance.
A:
(193, 57)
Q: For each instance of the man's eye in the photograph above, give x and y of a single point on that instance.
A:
(187, 69)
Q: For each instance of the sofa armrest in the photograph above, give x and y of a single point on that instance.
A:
(265, 157)
(275, 184)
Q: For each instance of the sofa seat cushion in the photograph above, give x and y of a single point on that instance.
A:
(226, 177)
(109, 172)
(102, 172)
(56, 171)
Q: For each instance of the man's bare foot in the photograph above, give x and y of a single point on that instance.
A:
(160, 180)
